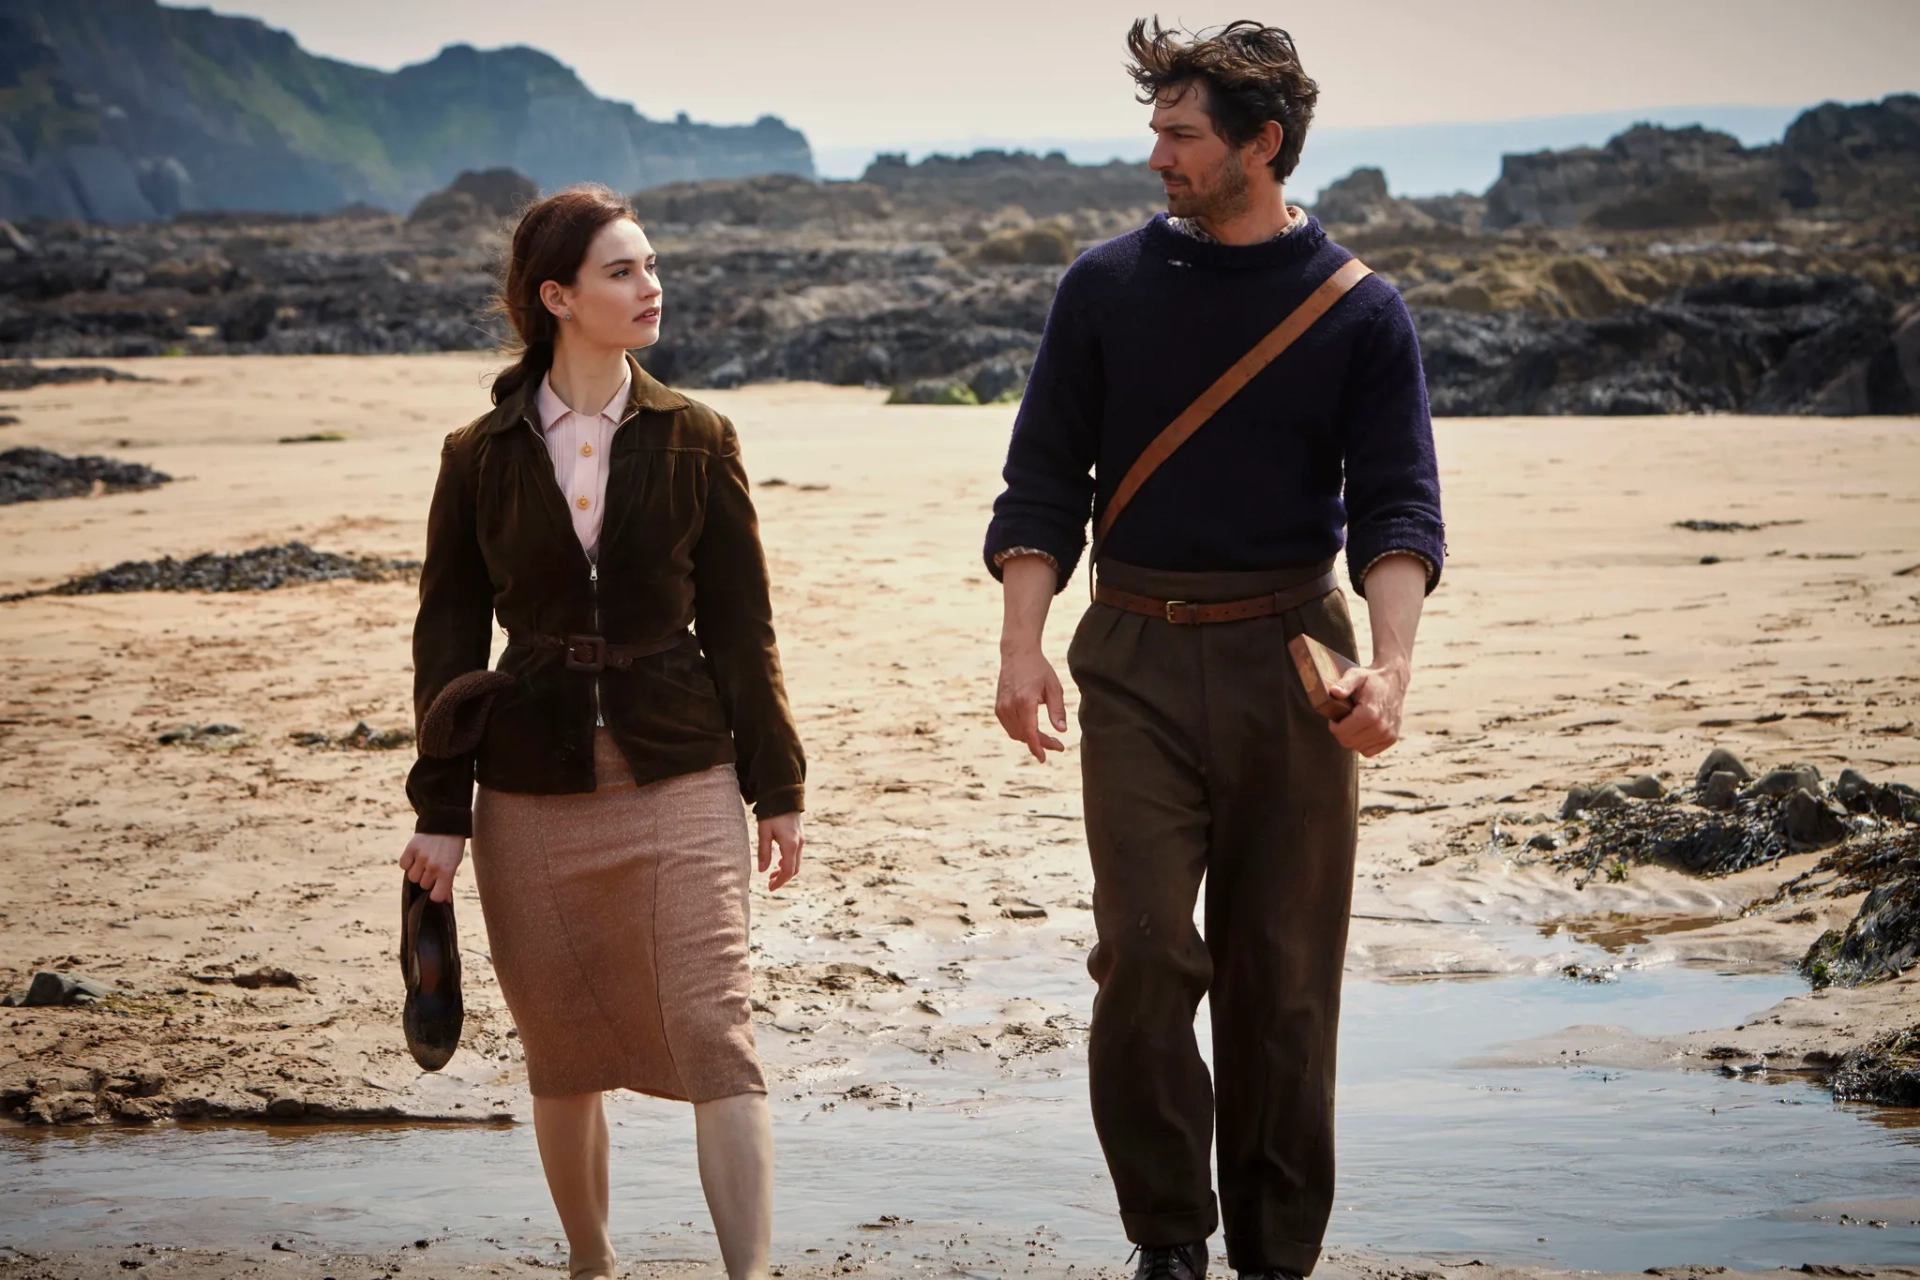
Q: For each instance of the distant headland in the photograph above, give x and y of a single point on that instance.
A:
(127, 111)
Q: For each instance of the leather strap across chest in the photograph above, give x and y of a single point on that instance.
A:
(1225, 388)
(1189, 613)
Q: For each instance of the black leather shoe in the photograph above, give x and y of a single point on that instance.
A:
(1173, 1262)
(430, 963)
(1275, 1273)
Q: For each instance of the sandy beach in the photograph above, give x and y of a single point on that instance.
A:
(1579, 636)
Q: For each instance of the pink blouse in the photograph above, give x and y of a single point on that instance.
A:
(579, 444)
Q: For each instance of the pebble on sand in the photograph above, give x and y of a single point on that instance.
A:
(53, 988)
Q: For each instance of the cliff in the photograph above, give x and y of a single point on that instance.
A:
(124, 111)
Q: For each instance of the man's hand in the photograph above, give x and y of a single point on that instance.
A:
(1027, 683)
(430, 862)
(783, 831)
(1377, 695)
(1396, 589)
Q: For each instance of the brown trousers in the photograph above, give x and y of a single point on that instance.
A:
(1201, 757)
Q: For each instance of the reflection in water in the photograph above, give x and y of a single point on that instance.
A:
(1615, 931)
(1618, 1170)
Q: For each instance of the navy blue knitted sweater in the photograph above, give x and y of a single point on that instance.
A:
(1330, 442)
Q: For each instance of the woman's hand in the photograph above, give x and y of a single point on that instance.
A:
(430, 862)
(785, 832)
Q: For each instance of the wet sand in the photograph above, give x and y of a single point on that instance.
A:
(1578, 637)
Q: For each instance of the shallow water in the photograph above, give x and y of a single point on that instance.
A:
(1615, 1169)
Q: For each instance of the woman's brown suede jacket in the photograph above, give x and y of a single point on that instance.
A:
(679, 547)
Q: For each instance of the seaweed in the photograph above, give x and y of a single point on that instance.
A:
(258, 569)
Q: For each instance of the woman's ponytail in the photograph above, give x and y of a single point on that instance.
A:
(530, 365)
(549, 243)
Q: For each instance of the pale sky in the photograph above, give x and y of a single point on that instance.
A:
(881, 72)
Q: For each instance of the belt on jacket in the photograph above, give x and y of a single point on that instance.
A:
(1188, 613)
(593, 653)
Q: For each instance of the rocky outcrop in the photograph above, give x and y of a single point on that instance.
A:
(1648, 176)
(1858, 161)
(905, 304)
(881, 317)
(988, 180)
(477, 196)
(938, 189)
(780, 201)
(1361, 200)
(1749, 344)
(934, 279)
(222, 285)
(125, 111)
(1885, 1070)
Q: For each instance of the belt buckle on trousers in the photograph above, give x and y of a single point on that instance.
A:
(586, 653)
(1168, 612)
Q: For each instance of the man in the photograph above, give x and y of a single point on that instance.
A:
(1201, 754)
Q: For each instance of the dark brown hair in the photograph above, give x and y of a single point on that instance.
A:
(549, 244)
(1252, 74)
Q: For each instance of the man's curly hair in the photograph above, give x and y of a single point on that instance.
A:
(1252, 74)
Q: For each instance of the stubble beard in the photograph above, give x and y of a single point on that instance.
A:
(1222, 196)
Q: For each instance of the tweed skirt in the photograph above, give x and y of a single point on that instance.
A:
(618, 926)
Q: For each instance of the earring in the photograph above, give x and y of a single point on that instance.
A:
(567, 316)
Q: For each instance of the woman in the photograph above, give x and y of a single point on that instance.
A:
(599, 516)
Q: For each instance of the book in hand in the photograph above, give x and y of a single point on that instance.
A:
(1319, 668)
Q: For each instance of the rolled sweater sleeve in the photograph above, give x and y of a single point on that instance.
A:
(452, 635)
(1049, 472)
(734, 617)
(1392, 478)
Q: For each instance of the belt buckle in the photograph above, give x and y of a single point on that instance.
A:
(587, 653)
(1171, 606)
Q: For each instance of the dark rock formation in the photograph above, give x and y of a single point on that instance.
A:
(1721, 760)
(1861, 160)
(221, 284)
(1360, 201)
(1750, 344)
(1462, 210)
(934, 278)
(475, 196)
(1042, 185)
(125, 110)
(777, 200)
(51, 987)
(260, 569)
(19, 375)
(1646, 177)
(879, 317)
(1894, 800)
(1885, 1070)
(1857, 161)
(1883, 939)
(32, 475)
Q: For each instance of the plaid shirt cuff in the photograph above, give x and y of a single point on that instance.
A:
(1000, 558)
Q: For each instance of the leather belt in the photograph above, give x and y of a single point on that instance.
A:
(1189, 613)
(593, 653)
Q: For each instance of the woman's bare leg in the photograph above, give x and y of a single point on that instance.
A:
(736, 1171)
(572, 1133)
